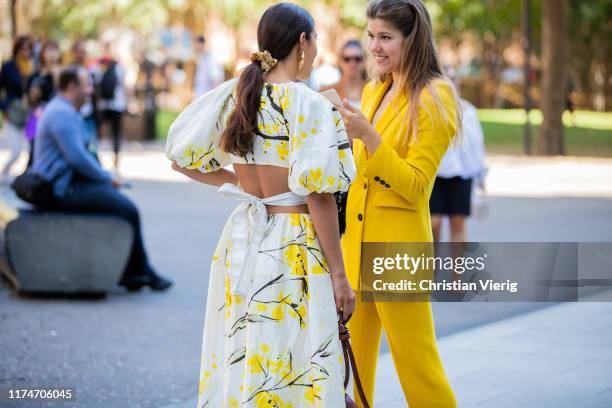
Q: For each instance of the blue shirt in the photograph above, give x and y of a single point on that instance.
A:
(60, 151)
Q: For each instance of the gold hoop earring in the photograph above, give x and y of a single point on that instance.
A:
(301, 63)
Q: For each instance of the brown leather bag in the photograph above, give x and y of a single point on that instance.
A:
(349, 357)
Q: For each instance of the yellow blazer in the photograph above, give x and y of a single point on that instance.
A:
(389, 198)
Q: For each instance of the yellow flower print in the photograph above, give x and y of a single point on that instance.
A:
(233, 402)
(299, 312)
(201, 386)
(270, 400)
(341, 154)
(331, 180)
(264, 347)
(277, 312)
(313, 130)
(310, 233)
(229, 298)
(263, 103)
(196, 157)
(296, 258)
(313, 181)
(316, 270)
(315, 174)
(312, 393)
(280, 365)
(295, 219)
(301, 119)
(284, 101)
(256, 363)
(283, 150)
(267, 144)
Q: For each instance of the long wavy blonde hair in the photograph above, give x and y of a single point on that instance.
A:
(420, 63)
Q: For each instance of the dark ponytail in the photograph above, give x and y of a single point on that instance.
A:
(278, 32)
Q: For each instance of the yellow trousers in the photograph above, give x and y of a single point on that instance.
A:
(410, 333)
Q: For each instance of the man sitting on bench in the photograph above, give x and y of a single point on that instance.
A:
(79, 182)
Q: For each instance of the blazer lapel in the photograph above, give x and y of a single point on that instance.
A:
(394, 111)
(369, 108)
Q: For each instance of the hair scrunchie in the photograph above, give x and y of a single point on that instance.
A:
(265, 59)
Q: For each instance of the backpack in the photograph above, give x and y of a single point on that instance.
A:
(109, 82)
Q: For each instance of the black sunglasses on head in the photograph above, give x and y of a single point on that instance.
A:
(354, 59)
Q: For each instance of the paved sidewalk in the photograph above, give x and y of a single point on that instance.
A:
(559, 356)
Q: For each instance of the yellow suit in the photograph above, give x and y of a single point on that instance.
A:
(389, 202)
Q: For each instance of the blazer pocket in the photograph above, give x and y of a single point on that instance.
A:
(392, 199)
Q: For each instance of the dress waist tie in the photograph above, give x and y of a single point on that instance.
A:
(250, 214)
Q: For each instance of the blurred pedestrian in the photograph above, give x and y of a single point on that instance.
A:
(569, 103)
(208, 73)
(36, 105)
(354, 77)
(14, 78)
(41, 88)
(89, 110)
(111, 96)
(461, 171)
(79, 184)
(48, 69)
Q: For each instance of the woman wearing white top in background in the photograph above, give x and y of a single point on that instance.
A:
(462, 164)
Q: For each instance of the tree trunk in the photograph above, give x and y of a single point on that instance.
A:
(13, 18)
(554, 75)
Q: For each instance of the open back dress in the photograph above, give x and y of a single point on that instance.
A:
(270, 332)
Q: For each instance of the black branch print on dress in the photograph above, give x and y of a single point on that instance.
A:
(236, 356)
(288, 377)
(265, 113)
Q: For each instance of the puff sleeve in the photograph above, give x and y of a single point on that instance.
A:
(193, 138)
(320, 157)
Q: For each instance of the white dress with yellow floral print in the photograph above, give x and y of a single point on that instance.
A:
(278, 345)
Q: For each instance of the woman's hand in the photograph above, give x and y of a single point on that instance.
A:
(358, 127)
(343, 294)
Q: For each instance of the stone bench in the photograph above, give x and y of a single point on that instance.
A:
(63, 253)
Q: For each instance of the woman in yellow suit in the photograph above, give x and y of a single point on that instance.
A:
(409, 118)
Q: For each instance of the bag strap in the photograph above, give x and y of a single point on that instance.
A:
(348, 356)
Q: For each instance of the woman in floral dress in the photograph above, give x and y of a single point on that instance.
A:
(277, 281)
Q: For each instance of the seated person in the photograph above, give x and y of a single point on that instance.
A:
(79, 182)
